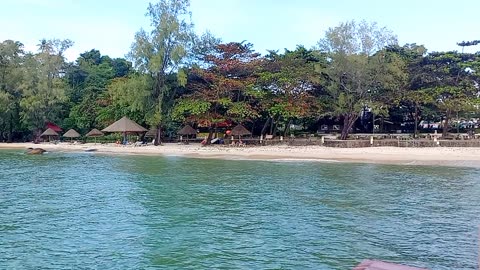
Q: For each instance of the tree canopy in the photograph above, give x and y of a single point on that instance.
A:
(356, 77)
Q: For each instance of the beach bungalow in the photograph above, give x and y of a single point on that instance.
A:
(94, 133)
(71, 133)
(124, 126)
(52, 126)
(186, 131)
(49, 133)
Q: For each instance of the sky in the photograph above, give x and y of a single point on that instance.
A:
(110, 25)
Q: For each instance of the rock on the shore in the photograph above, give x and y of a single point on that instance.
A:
(35, 151)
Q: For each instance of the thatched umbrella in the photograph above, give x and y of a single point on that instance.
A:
(71, 133)
(187, 130)
(94, 133)
(49, 132)
(124, 125)
(239, 131)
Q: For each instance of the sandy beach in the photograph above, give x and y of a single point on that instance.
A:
(442, 156)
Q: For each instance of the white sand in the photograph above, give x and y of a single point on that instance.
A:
(453, 156)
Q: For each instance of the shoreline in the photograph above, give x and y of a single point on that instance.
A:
(438, 156)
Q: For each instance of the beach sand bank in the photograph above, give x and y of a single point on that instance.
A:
(441, 156)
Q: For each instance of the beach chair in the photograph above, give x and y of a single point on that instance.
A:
(139, 143)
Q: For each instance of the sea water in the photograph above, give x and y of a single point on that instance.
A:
(94, 211)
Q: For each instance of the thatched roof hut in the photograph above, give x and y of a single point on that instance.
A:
(187, 130)
(53, 126)
(94, 133)
(124, 125)
(240, 130)
(71, 133)
(49, 132)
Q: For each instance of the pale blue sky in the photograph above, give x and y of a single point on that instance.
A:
(109, 25)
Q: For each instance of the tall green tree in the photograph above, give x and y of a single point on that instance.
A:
(451, 83)
(161, 53)
(11, 76)
(126, 96)
(43, 88)
(203, 45)
(88, 79)
(414, 98)
(289, 82)
(354, 51)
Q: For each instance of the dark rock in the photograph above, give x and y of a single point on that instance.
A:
(35, 151)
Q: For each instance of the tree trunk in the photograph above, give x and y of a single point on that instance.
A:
(445, 126)
(158, 136)
(265, 126)
(345, 128)
(36, 135)
(348, 122)
(373, 122)
(287, 128)
(10, 131)
(458, 124)
(415, 129)
(382, 123)
(274, 126)
(210, 136)
(272, 123)
(10, 136)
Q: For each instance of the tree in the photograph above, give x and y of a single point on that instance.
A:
(88, 79)
(224, 90)
(464, 44)
(126, 96)
(289, 82)
(203, 46)
(11, 54)
(389, 74)
(414, 98)
(43, 89)
(448, 78)
(161, 53)
(353, 50)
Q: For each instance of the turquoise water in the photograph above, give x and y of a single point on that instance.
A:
(91, 211)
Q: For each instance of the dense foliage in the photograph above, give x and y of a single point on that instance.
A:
(357, 77)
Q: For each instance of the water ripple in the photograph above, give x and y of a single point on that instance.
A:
(84, 211)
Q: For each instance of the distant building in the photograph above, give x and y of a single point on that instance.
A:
(52, 126)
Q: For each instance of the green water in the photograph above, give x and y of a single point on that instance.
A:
(90, 211)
